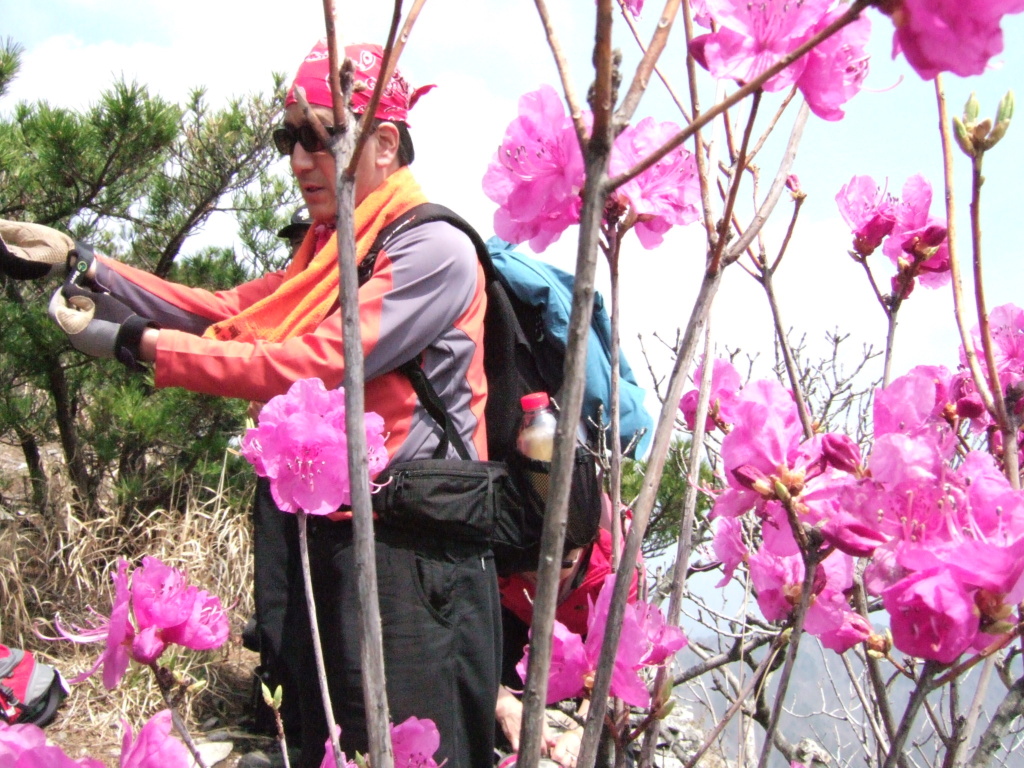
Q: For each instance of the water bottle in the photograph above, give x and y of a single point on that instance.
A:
(537, 436)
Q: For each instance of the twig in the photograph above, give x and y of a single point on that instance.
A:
(685, 530)
(318, 651)
(956, 282)
(910, 713)
(1009, 709)
(810, 568)
(850, 15)
(665, 23)
(562, 64)
(164, 680)
(647, 64)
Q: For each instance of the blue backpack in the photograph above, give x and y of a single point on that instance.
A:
(525, 337)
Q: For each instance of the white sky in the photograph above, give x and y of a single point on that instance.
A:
(484, 54)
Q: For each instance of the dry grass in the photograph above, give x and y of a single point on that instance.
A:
(62, 565)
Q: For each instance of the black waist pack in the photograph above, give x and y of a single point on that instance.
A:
(457, 499)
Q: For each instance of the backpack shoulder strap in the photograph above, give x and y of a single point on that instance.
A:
(422, 214)
(429, 399)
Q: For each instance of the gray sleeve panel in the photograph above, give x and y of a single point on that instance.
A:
(435, 276)
(161, 311)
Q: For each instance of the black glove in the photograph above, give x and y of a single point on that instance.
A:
(33, 251)
(98, 324)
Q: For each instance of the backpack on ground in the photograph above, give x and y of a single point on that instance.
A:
(525, 332)
(30, 691)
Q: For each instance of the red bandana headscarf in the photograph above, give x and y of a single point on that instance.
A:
(395, 102)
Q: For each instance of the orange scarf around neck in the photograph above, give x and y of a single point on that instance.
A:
(310, 287)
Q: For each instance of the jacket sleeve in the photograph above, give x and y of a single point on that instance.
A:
(427, 286)
(177, 306)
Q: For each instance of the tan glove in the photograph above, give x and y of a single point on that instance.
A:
(33, 251)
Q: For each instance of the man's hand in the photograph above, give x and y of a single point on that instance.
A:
(509, 714)
(98, 324)
(32, 251)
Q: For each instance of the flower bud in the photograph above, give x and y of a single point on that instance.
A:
(879, 645)
(963, 138)
(841, 452)
(971, 109)
(665, 709)
(753, 479)
(1003, 115)
(980, 131)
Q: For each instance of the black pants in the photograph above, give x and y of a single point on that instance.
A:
(440, 620)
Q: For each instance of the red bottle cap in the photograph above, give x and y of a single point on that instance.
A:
(534, 400)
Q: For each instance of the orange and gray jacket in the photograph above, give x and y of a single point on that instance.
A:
(425, 299)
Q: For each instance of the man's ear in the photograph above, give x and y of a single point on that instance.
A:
(387, 144)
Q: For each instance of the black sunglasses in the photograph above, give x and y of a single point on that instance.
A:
(286, 137)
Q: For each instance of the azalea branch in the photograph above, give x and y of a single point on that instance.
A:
(683, 548)
(641, 513)
(314, 628)
(956, 282)
(797, 629)
(876, 727)
(771, 125)
(965, 731)
(1009, 709)
(615, 463)
(649, 61)
(910, 713)
(1004, 413)
(165, 682)
(738, 650)
(737, 177)
(602, 93)
(665, 22)
(562, 64)
(347, 147)
(764, 276)
(775, 191)
(389, 61)
(850, 15)
(553, 533)
(698, 140)
(863, 261)
(756, 679)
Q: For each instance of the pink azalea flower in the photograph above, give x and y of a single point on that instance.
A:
(753, 36)
(914, 403)
(729, 546)
(301, 445)
(415, 742)
(206, 626)
(537, 173)
(853, 629)
(725, 382)
(932, 616)
(328, 761)
(117, 631)
(166, 610)
(850, 534)
(949, 35)
(914, 225)
(569, 664)
(645, 640)
(1006, 325)
(154, 747)
(836, 67)
(159, 596)
(868, 210)
(635, 6)
(666, 194)
(765, 441)
(24, 745)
